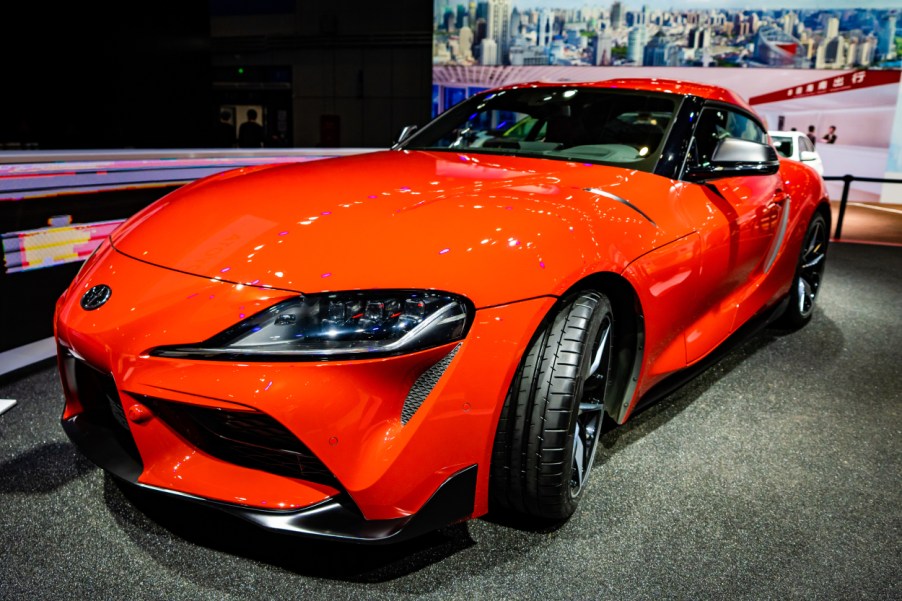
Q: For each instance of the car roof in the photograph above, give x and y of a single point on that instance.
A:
(668, 86)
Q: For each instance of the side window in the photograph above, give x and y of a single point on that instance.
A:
(715, 124)
(742, 127)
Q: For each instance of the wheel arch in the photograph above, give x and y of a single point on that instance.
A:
(629, 332)
(823, 207)
(528, 451)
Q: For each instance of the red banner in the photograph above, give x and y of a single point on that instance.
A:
(842, 82)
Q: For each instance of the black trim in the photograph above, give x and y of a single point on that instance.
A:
(336, 519)
(101, 431)
(673, 155)
(679, 379)
(102, 446)
(339, 519)
(698, 105)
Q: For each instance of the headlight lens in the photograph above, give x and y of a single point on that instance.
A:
(339, 325)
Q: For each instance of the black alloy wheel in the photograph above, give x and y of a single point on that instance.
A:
(809, 273)
(551, 421)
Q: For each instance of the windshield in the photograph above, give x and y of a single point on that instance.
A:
(613, 127)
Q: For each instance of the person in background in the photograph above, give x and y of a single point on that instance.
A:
(250, 134)
(830, 137)
(225, 130)
(811, 135)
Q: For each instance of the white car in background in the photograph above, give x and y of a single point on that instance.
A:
(795, 145)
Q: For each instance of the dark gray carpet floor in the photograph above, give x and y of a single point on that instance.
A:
(774, 475)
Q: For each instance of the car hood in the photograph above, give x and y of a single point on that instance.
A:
(496, 229)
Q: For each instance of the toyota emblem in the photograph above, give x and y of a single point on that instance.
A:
(96, 297)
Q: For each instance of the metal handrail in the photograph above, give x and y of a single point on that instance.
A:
(847, 182)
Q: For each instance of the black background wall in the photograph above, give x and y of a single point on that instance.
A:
(154, 74)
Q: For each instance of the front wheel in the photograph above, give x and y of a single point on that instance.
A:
(551, 421)
(810, 270)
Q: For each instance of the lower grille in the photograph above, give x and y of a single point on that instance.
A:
(99, 397)
(246, 438)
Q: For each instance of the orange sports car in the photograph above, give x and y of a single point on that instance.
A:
(370, 347)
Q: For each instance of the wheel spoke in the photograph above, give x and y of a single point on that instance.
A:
(602, 349)
(813, 262)
(816, 242)
(591, 407)
(588, 421)
(579, 458)
(810, 269)
(586, 407)
(596, 378)
(806, 297)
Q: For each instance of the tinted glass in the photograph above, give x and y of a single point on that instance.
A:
(589, 125)
(716, 124)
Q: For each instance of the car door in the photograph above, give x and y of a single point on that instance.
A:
(738, 222)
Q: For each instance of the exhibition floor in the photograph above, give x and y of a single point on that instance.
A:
(773, 475)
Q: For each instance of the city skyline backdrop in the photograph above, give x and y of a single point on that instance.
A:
(718, 4)
(576, 33)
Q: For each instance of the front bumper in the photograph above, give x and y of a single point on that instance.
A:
(337, 518)
(391, 474)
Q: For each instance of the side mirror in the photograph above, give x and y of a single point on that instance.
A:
(406, 132)
(736, 157)
(808, 155)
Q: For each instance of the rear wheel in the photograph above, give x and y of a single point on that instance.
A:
(549, 427)
(808, 276)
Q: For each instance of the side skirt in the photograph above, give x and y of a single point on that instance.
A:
(676, 381)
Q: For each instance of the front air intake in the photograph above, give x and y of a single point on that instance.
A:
(97, 393)
(246, 438)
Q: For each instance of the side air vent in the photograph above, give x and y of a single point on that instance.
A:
(424, 385)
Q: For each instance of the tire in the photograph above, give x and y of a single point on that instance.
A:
(809, 271)
(551, 420)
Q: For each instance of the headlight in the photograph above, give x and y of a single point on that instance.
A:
(339, 325)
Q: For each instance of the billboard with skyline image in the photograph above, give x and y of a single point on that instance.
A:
(808, 64)
(664, 33)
